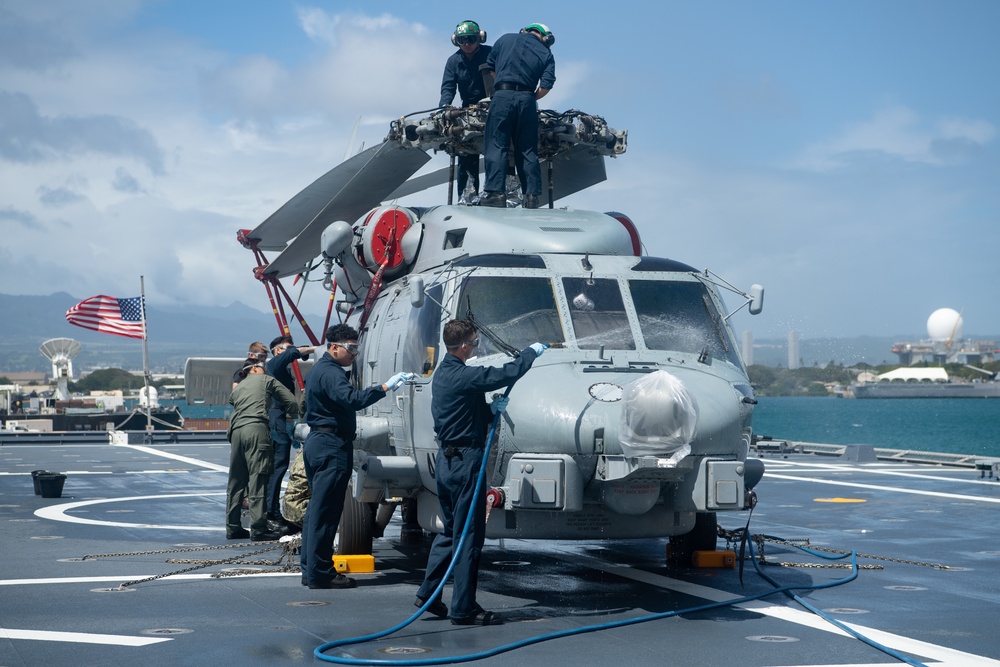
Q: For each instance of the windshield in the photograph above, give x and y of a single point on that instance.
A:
(598, 314)
(680, 316)
(521, 311)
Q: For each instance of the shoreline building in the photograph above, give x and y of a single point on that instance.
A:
(794, 358)
(944, 343)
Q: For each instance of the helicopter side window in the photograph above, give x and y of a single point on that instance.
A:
(598, 314)
(680, 316)
(520, 311)
(420, 351)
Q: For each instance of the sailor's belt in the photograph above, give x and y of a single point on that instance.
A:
(514, 86)
(450, 449)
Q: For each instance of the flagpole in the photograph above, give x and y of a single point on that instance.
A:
(145, 352)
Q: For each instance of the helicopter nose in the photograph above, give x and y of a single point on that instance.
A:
(567, 409)
(659, 417)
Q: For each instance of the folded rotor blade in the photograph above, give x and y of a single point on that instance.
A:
(360, 186)
(573, 170)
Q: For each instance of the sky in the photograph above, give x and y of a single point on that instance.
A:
(844, 154)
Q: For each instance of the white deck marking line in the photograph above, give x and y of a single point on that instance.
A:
(177, 457)
(835, 467)
(107, 472)
(58, 512)
(129, 577)
(876, 487)
(945, 656)
(81, 637)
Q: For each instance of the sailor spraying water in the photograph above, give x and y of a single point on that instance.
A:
(461, 420)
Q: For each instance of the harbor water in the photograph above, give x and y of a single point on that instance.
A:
(949, 425)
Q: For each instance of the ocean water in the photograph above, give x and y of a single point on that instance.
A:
(950, 425)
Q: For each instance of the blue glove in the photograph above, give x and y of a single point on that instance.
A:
(398, 380)
(539, 348)
(499, 404)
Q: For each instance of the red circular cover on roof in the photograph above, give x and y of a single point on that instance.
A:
(388, 231)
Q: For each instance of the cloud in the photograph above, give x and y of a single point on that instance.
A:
(352, 74)
(30, 44)
(24, 218)
(58, 196)
(897, 134)
(125, 182)
(27, 136)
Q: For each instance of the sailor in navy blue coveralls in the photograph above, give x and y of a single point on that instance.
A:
(461, 71)
(522, 63)
(278, 367)
(328, 452)
(461, 422)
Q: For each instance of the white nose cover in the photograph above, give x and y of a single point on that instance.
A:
(659, 417)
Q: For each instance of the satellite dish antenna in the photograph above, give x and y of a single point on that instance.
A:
(60, 351)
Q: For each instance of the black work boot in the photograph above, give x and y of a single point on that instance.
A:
(530, 201)
(494, 199)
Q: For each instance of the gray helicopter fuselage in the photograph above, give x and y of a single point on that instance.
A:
(570, 279)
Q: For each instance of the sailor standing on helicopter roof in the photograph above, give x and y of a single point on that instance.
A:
(525, 71)
(461, 71)
(461, 422)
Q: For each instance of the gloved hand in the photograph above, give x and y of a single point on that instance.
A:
(499, 404)
(398, 380)
(539, 348)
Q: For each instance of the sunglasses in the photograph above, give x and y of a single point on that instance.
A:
(467, 39)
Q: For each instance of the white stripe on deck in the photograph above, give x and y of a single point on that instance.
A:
(883, 469)
(177, 457)
(893, 489)
(942, 655)
(134, 577)
(58, 512)
(80, 637)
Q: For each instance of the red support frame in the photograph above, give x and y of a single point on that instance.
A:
(276, 293)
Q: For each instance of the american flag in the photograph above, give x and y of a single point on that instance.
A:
(119, 317)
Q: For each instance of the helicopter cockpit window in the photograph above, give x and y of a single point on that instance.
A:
(420, 352)
(681, 316)
(521, 311)
(598, 314)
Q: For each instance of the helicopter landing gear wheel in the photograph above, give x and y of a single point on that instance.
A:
(357, 526)
(703, 537)
(411, 533)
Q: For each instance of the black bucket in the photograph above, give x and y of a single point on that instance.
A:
(51, 484)
(34, 479)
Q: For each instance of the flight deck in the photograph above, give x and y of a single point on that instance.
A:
(113, 573)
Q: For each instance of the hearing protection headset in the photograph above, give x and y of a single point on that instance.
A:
(468, 29)
(548, 39)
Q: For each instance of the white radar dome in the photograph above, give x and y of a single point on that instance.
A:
(945, 324)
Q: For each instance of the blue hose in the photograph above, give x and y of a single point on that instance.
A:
(320, 650)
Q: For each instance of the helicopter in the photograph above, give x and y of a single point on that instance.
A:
(637, 421)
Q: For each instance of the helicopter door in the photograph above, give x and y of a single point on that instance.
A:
(421, 350)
